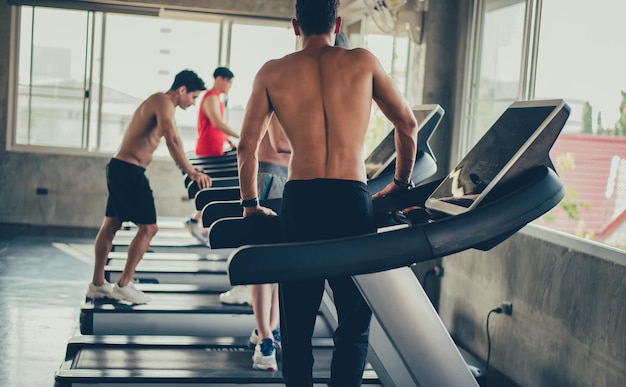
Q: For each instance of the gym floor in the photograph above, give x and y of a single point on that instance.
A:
(41, 290)
(43, 277)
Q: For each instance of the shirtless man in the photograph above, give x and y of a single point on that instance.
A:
(130, 195)
(322, 96)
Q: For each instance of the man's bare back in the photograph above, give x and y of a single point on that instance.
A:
(311, 91)
(322, 96)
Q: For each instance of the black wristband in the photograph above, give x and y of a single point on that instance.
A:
(403, 185)
(250, 202)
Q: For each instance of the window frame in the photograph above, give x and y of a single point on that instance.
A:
(528, 72)
(224, 21)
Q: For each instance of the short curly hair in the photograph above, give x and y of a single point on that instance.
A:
(190, 80)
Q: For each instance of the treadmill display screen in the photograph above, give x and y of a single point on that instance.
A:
(489, 159)
(385, 152)
(381, 156)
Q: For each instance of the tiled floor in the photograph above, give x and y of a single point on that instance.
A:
(43, 277)
(41, 290)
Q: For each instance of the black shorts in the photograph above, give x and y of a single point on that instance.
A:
(325, 209)
(130, 195)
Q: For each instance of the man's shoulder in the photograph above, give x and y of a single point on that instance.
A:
(358, 52)
(278, 62)
(158, 101)
(157, 96)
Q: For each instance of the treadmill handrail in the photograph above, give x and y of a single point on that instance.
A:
(254, 264)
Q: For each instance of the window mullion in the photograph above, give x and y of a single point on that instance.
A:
(532, 71)
(98, 129)
(30, 76)
(88, 77)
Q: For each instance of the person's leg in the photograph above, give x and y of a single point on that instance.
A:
(102, 247)
(136, 249)
(194, 225)
(261, 296)
(99, 287)
(352, 334)
(275, 310)
(264, 357)
(125, 290)
(299, 305)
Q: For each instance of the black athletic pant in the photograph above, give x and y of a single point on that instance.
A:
(315, 210)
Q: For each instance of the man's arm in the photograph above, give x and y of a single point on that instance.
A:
(165, 120)
(254, 126)
(211, 108)
(397, 110)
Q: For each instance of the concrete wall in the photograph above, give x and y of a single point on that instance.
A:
(569, 312)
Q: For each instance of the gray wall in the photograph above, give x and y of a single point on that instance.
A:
(569, 311)
(567, 327)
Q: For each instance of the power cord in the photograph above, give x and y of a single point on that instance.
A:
(494, 310)
(505, 307)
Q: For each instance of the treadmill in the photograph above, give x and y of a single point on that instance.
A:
(439, 219)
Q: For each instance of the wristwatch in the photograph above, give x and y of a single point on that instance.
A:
(249, 202)
(402, 185)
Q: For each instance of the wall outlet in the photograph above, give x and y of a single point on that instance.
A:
(507, 307)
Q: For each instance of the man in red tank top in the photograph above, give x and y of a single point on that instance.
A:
(213, 134)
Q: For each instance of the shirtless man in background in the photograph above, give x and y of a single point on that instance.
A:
(130, 196)
(322, 96)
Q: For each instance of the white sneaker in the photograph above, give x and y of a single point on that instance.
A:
(238, 295)
(102, 291)
(264, 357)
(193, 226)
(254, 339)
(130, 294)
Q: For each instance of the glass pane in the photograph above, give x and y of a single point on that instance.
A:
(23, 98)
(392, 53)
(251, 46)
(590, 153)
(498, 67)
(501, 51)
(51, 77)
(141, 56)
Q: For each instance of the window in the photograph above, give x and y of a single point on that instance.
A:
(498, 66)
(563, 58)
(393, 50)
(249, 51)
(52, 81)
(141, 56)
(82, 74)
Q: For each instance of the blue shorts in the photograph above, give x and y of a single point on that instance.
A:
(271, 180)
